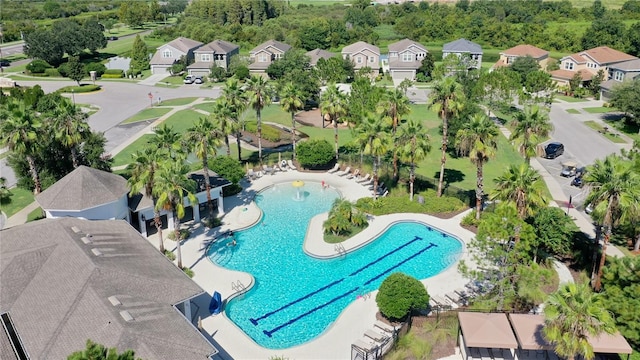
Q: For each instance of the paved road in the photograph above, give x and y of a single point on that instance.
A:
(13, 49)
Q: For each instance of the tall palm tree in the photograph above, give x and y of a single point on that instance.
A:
(573, 314)
(167, 139)
(447, 99)
(143, 169)
(529, 127)
(223, 121)
(373, 131)
(171, 187)
(393, 106)
(70, 127)
(415, 145)
(520, 185)
(478, 138)
(19, 127)
(260, 92)
(614, 190)
(203, 138)
(291, 102)
(236, 100)
(333, 102)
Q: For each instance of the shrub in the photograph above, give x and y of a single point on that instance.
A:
(188, 271)
(52, 72)
(184, 233)
(269, 133)
(80, 89)
(228, 168)
(212, 223)
(396, 204)
(169, 254)
(399, 294)
(114, 72)
(63, 69)
(470, 219)
(315, 154)
(242, 72)
(38, 66)
(111, 76)
(99, 68)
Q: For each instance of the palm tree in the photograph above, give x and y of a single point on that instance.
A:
(415, 145)
(167, 139)
(573, 314)
(260, 92)
(393, 106)
(18, 132)
(236, 101)
(291, 102)
(529, 127)
(478, 138)
(520, 185)
(70, 127)
(614, 190)
(203, 139)
(222, 119)
(171, 187)
(374, 133)
(333, 102)
(447, 99)
(143, 171)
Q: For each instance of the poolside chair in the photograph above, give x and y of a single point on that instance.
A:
(375, 335)
(384, 327)
(368, 183)
(354, 174)
(335, 168)
(291, 166)
(344, 172)
(251, 174)
(268, 170)
(364, 178)
(364, 345)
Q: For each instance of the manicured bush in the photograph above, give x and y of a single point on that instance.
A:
(99, 68)
(315, 154)
(80, 89)
(169, 254)
(38, 66)
(111, 76)
(400, 294)
(188, 271)
(269, 133)
(52, 72)
(228, 168)
(184, 233)
(63, 69)
(114, 72)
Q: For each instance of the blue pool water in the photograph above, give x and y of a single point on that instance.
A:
(296, 297)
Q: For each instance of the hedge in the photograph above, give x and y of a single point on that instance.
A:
(80, 89)
(114, 72)
(111, 76)
(52, 73)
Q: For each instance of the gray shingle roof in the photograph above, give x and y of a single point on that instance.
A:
(317, 54)
(631, 65)
(184, 44)
(404, 44)
(359, 46)
(83, 188)
(277, 44)
(462, 45)
(57, 291)
(218, 47)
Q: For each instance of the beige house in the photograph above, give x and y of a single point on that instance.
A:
(508, 56)
(317, 54)
(169, 53)
(405, 58)
(218, 52)
(363, 55)
(587, 63)
(264, 54)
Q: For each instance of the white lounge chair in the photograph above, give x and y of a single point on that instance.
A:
(363, 345)
(291, 166)
(384, 327)
(354, 174)
(344, 172)
(375, 335)
(364, 178)
(251, 174)
(268, 170)
(335, 168)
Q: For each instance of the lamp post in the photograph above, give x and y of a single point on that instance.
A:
(73, 96)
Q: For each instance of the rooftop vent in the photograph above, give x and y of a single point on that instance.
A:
(96, 252)
(126, 316)
(85, 240)
(114, 300)
(75, 229)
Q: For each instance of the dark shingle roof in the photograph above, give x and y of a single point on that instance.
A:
(59, 293)
(275, 43)
(405, 44)
(184, 44)
(218, 47)
(317, 54)
(462, 45)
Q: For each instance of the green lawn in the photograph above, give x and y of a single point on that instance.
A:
(123, 46)
(207, 106)
(179, 101)
(570, 99)
(36, 214)
(598, 110)
(147, 114)
(609, 135)
(124, 156)
(20, 199)
(573, 111)
(173, 80)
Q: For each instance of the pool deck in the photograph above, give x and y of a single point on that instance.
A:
(358, 317)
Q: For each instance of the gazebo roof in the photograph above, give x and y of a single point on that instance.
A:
(487, 330)
(528, 330)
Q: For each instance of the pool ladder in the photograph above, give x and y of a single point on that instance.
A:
(237, 286)
(339, 248)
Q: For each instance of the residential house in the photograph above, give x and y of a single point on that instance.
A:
(405, 58)
(363, 55)
(68, 280)
(264, 54)
(93, 194)
(464, 48)
(169, 53)
(619, 73)
(217, 52)
(508, 56)
(587, 63)
(317, 54)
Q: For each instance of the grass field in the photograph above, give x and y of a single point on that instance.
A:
(598, 110)
(179, 101)
(573, 111)
(609, 135)
(570, 99)
(20, 199)
(147, 114)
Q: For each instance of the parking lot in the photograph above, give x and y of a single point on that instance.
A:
(554, 167)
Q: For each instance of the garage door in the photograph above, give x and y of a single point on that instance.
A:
(160, 69)
(398, 75)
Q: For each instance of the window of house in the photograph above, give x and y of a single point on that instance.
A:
(393, 54)
(262, 57)
(278, 56)
(359, 59)
(591, 65)
(205, 57)
(568, 66)
(618, 76)
(372, 59)
(407, 57)
(166, 53)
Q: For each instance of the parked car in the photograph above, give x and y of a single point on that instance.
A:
(553, 150)
(577, 181)
(569, 168)
(199, 80)
(189, 79)
(5, 63)
(589, 209)
(113, 38)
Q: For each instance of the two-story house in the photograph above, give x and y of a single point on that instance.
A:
(619, 73)
(264, 54)
(317, 54)
(169, 53)
(218, 52)
(469, 50)
(587, 63)
(508, 56)
(405, 58)
(363, 55)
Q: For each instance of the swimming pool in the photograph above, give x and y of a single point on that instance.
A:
(296, 297)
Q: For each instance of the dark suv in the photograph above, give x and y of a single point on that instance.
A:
(553, 150)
